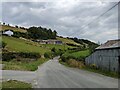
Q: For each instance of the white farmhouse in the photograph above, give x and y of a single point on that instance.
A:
(8, 32)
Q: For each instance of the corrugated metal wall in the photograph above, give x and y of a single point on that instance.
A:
(105, 59)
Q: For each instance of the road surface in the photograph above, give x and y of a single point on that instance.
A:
(54, 75)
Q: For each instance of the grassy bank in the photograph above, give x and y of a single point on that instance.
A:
(103, 72)
(21, 65)
(77, 55)
(106, 73)
(15, 84)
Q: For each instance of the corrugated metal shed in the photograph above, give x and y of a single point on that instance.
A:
(110, 44)
(106, 56)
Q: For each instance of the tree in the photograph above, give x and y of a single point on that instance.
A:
(53, 49)
(4, 23)
(16, 26)
(41, 33)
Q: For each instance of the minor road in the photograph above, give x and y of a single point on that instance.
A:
(54, 75)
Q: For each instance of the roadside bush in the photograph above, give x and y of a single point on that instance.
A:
(58, 52)
(80, 58)
(48, 55)
(93, 66)
(66, 58)
(74, 63)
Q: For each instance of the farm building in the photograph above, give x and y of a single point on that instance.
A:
(49, 41)
(106, 56)
(8, 32)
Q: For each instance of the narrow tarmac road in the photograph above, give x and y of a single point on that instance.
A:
(54, 75)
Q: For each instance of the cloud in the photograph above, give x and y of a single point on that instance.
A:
(67, 18)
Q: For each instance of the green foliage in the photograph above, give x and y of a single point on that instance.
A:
(3, 44)
(86, 43)
(11, 55)
(48, 55)
(20, 34)
(79, 55)
(53, 49)
(41, 33)
(23, 65)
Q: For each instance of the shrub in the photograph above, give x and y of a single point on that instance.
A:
(7, 56)
(53, 49)
(93, 66)
(29, 55)
(48, 55)
(74, 63)
(3, 44)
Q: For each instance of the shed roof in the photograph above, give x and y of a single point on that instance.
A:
(110, 44)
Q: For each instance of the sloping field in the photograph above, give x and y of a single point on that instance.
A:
(5, 27)
(18, 45)
(78, 54)
(66, 40)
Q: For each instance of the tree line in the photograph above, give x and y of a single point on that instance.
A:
(41, 33)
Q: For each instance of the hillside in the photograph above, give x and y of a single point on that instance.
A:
(5, 27)
(69, 41)
(20, 45)
(74, 42)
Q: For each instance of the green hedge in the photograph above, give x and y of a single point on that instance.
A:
(11, 55)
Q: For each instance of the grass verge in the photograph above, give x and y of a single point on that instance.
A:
(103, 72)
(23, 66)
(15, 84)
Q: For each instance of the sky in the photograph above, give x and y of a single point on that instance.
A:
(68, 17)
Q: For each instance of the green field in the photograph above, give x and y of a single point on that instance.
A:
(66, 40)
(78, 54)
(5, 27)
(15, 84)
(81, 53)
(19, 45)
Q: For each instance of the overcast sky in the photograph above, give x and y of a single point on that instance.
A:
(68, 18)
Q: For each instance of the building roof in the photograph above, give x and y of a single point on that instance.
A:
(110, 44)
(8, 32)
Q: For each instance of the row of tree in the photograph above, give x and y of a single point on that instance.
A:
(41, 33)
